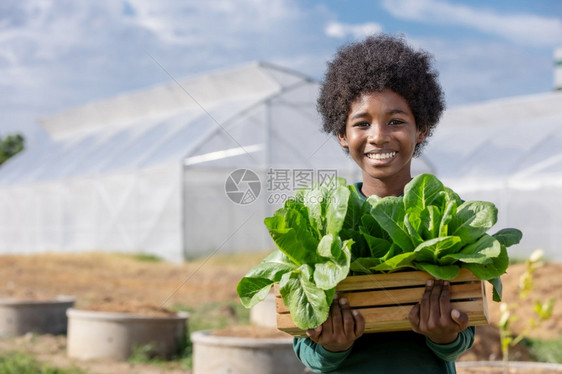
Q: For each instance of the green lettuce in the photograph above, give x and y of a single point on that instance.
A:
(312, 257)
(328, 232)
(433, 230)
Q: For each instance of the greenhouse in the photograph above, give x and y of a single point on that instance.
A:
(508, 151)
(147, 172)
(192, 167)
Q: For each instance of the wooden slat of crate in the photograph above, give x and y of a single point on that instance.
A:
(385, 300)
(401, 279)
(394, 318)
(408, 296)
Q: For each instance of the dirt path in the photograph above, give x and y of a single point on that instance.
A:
(115, 282)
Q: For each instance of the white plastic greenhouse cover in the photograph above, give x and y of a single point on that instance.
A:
(509, 152)
(145, 172)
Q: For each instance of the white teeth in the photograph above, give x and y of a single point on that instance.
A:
(381, 156)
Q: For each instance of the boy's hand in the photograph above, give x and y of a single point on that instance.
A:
(341, 328)
(434, 316)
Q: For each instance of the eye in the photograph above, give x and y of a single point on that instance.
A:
(361, 124)
(395, 122)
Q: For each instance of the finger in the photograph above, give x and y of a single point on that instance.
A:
(328, 328)
(347, 318)
(460, 318)
(414, 317)
(359, 323)
(445, 301)
(336, 321)
(425, 302)
(435, 307)
(314, 334)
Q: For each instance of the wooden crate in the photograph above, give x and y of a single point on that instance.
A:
(385, 300)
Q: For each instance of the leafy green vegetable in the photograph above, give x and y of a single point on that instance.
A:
(307, 302)
(447, 233)
(335, 267)
(389, 212)
(313, 257)
(327, 232)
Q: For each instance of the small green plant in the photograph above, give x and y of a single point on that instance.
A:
(147, 354)
(23, 364)
(545, 350)
(145, 257)
(543, 308)
(144, 354)
(10, 146)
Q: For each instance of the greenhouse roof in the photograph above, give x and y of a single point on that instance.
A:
(162, 124)
(517, 139)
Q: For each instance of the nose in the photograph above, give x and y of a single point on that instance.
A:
(378, 133)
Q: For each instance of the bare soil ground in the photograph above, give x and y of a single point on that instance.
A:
(124, 283)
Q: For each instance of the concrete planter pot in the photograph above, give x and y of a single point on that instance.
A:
(514, 367)
(264, 313)
(97, 334)
(18, 317)
(241, 355)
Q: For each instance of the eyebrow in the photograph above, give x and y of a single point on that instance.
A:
(397, 111)
(390, 112)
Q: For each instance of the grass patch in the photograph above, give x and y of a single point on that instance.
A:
(144, 257)
(520, 258)
(239, 260)
(20, 363)
(144, 354)
(216, 315)
(545, 350)
(516, 260)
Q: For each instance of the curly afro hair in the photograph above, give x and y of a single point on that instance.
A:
(372, 65)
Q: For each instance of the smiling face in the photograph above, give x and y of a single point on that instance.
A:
(381, 135)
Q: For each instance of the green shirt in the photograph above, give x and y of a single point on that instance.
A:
(402, 352)
(393, 352)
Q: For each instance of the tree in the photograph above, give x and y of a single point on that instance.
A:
(9, 146)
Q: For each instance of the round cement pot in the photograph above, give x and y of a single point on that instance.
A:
(514, 367)
(97, 334)
(264, 312)
(18, 317)
(241, 355)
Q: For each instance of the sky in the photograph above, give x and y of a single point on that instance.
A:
(57, 54)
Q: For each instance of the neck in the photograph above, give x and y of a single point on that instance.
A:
(384, 187)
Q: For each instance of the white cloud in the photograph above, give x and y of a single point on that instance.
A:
(341, 30)
(55, 54)
(527, 29)
(218, 21)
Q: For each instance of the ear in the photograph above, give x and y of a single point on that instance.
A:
(422, 134)
(342, 139)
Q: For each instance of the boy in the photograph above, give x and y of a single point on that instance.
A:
(382, 100)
